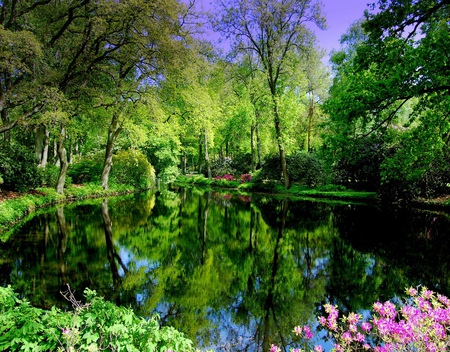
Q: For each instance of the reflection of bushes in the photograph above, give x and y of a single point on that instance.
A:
(131, 167)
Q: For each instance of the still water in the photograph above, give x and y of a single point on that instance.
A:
(234, 273)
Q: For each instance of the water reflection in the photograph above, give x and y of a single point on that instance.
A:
(235, 273)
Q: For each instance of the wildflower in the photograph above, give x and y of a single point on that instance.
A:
(274, 348)
(297, 330)
(318, 349)
(353, 318)
(308, 333)
(347, 337)
(366, 326)
(411, 291)
(65, 331)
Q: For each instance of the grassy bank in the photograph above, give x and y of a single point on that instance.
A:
(328, 191)
(21, 204)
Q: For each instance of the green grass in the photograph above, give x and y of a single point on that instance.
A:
(336, 192)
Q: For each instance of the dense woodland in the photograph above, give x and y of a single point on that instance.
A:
(100, 91)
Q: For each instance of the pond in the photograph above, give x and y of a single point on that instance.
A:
(233, 272)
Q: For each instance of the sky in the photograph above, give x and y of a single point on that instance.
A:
(340, 14)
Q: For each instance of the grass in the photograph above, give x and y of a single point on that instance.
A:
(328, 191)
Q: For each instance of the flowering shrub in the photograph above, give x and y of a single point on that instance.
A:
(246, 178)
(421, 324)
(226, 177)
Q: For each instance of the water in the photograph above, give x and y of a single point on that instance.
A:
(235, 273)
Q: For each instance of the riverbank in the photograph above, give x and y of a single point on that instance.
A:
(16, 206)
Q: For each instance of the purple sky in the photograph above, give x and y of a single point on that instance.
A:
(340, 14)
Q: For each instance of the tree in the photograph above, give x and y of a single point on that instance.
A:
(394, 90)
(273, 30)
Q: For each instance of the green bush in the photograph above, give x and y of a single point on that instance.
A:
(88, 169)
(242, 163)
(131, 167)
(18, 168)
(97, 325)
(221, 166)
(49, 176)
(306, 168)
(271, 170)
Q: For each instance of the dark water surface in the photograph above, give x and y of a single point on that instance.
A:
(235, 273)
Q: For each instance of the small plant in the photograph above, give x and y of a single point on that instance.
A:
(97, 325)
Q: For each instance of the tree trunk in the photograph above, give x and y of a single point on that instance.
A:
(258, 143)
(62, 155)
(200, 154)
(279, 138)
(39, 135)
(208, 164)
(55, 152)
(113, 131)
(253, 146)
(45, 149)
(310, 119)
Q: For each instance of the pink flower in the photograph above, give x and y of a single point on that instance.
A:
(318, 349)
(274, 348)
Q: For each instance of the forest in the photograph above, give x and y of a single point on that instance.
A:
(114, 92)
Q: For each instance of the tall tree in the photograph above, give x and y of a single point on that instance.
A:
(274, 30)
(393, 94)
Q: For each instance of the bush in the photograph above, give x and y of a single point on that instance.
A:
(18, 168)
(96, 326)
(50, 175)
(306, 168)
(242, 163)
(131, 167)
(271, 170)
(89, 169)
(222, 166)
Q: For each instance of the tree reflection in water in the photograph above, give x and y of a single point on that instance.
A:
(234, 273)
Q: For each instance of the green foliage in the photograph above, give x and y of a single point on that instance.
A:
(88, 169)
(306, 168)
(222, 166)
(18, 168)
(94, 326)
(49, 176)
(131, 167)
(271, 169)
(242, 163)
(162, 152)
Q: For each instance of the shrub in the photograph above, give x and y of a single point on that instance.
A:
(242, 163)
(271, 170)
(95, 326)
(221, 166)
(50, 175)
(246, 178)
(131, 167)
(88, 169)
(306, 168)
(18, 168)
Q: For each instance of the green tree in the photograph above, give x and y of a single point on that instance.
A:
(273, 30)
(393, 91)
